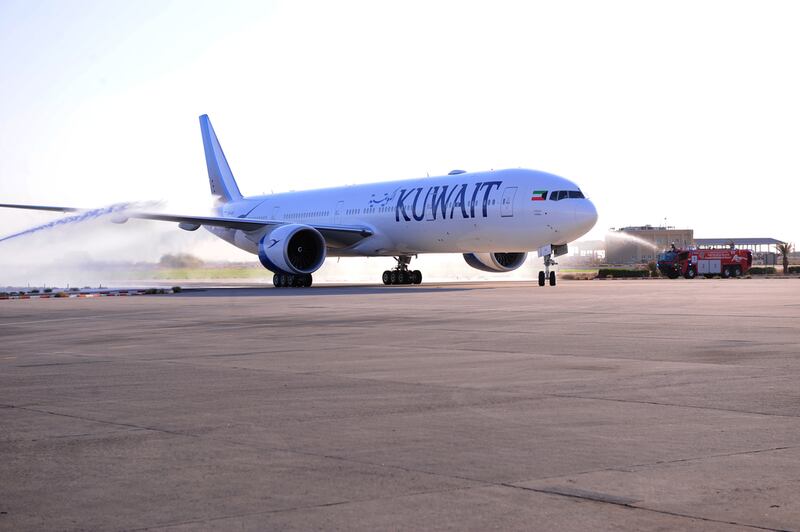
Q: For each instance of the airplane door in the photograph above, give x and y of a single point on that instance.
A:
(337, 214)
(507, 204)
(276, 212)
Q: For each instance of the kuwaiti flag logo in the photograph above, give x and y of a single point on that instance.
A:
(539, 195)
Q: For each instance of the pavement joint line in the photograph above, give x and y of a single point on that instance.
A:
(647, 465)
(308, 507)
(633, 506)
(46, 364)
(82, 435)
(655, 403)
(712, 456)
(79, 318)
(104, 422)
(657, 360)
(223, 355)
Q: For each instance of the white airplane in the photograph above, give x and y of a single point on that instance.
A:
(493, 218)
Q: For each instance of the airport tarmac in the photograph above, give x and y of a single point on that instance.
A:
(594, 405)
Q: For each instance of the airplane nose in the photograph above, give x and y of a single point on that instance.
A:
(585, 216)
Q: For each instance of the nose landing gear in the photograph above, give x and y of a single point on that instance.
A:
(400, 274)
(547, 274)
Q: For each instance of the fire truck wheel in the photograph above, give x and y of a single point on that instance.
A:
(690, 273)
(726, 272)
(737, 271)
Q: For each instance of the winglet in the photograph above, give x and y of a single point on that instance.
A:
(220, 177)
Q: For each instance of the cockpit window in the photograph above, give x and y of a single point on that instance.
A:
(558, 195)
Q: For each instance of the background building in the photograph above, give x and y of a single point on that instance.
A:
(640, 244)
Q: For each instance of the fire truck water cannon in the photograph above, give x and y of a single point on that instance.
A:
(690, 263)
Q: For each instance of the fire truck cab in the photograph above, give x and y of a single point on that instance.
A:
(707, 262)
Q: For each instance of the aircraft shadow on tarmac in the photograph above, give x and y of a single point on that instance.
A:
(318, 290)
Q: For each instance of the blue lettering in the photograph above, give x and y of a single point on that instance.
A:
(460, 201)
(439, 201)
(472, 203)
(488, 185)
(402, 206)
(414, 206)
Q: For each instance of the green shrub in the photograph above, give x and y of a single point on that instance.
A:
(176, 289)
(622, 273)
(761, 270)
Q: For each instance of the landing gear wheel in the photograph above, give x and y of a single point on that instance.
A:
(547, 274)
(401, 274)
(308, 280)
(276, 281)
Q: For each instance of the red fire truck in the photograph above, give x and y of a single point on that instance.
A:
(707, 262)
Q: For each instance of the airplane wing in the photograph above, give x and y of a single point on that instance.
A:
(336, 236)
(41, 207)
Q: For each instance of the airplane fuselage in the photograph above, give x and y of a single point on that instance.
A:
(503, 210)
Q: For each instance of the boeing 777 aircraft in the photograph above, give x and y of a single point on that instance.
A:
(493, 218)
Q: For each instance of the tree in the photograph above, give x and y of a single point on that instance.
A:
(784, 249)
(181, 260)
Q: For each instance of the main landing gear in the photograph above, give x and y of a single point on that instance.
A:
(401, 274)
(284, 280)
(547, 274)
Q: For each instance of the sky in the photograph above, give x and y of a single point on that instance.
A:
(685, 112)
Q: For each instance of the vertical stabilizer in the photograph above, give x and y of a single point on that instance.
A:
(220, 177)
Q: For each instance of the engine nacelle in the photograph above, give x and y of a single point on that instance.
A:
(495, 262)
(292, 248)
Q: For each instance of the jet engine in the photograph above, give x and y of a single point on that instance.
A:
(292, 248)
(495, 262)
